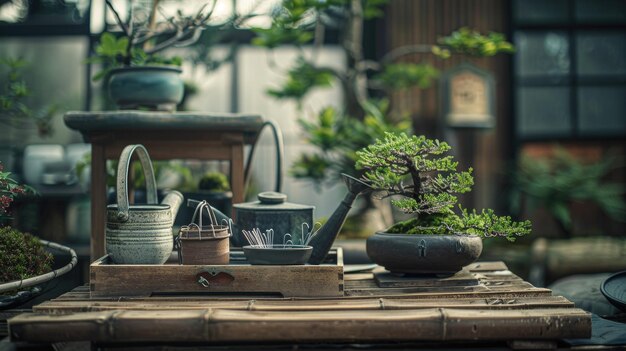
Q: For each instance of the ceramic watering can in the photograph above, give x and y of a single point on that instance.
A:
(140, 234)
(273, 212)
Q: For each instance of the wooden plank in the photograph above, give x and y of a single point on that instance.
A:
(63, 306)
(324, 280)
(228, 326)
(389, 280)
(487, 266)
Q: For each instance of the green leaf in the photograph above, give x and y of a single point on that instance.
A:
(407, 75)
(301, 79)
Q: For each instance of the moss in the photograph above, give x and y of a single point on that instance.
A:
(21, 256)
(436, 224)
(214, 181)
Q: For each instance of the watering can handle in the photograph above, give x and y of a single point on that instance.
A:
(122, 178)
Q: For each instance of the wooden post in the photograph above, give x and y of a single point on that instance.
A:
(98, 200)
(236, 172)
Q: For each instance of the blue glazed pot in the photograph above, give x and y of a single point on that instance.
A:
(157, 87)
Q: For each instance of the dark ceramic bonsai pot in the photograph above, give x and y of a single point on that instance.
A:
(423, 254)
(156, 87)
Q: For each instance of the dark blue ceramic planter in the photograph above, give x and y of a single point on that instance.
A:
(156, 87)
(423, 254)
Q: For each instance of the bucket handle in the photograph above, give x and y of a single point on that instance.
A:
(204, 205)
(122, 179)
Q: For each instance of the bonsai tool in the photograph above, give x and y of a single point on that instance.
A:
(200, 244)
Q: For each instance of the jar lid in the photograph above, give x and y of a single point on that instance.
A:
(272, 201)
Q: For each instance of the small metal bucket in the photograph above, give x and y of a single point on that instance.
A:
(200, 244)
(140, 234)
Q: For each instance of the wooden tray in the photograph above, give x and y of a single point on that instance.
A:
(238, 277)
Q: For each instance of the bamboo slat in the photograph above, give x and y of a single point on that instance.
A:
(227, 326)
(64, 307)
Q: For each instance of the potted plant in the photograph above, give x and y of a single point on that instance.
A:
(138, 75)
(425, 183)
(24, 263)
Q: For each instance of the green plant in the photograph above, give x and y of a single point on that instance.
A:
(337, 137)
(21, 256)
(427, 182)
(14, 109)
(214, 181)
(300, 22)
(555, 183)
(142, 41)
(10, 189)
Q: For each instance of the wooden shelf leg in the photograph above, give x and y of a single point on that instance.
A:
(98, 200)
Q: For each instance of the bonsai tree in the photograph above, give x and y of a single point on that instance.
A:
(425, 182)
(143, 41)
(365, 115)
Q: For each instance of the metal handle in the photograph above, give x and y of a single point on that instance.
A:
(201, 206)
(280, 154)
(212, 278)
(122, 179)
(203, 281)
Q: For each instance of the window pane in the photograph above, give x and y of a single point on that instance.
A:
(542, 53)
(41, 12)
(540, 11)
(543, 111)
(601, 53)
(55, 74)
(600, 11)
(602, 110)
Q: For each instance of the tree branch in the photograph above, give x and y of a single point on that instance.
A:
(405, 50)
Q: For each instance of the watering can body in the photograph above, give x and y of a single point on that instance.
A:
(140, 234)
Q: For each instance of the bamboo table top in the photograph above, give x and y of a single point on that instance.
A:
(501, 307)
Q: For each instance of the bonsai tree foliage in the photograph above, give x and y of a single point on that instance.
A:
(427, 182)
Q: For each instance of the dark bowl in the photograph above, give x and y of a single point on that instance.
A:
(278, 254)
(614, 289)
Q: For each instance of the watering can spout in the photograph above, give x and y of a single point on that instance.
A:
(326, 235)
(174, 199)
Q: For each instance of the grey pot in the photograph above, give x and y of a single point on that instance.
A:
(156, 87)
(423, 254)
